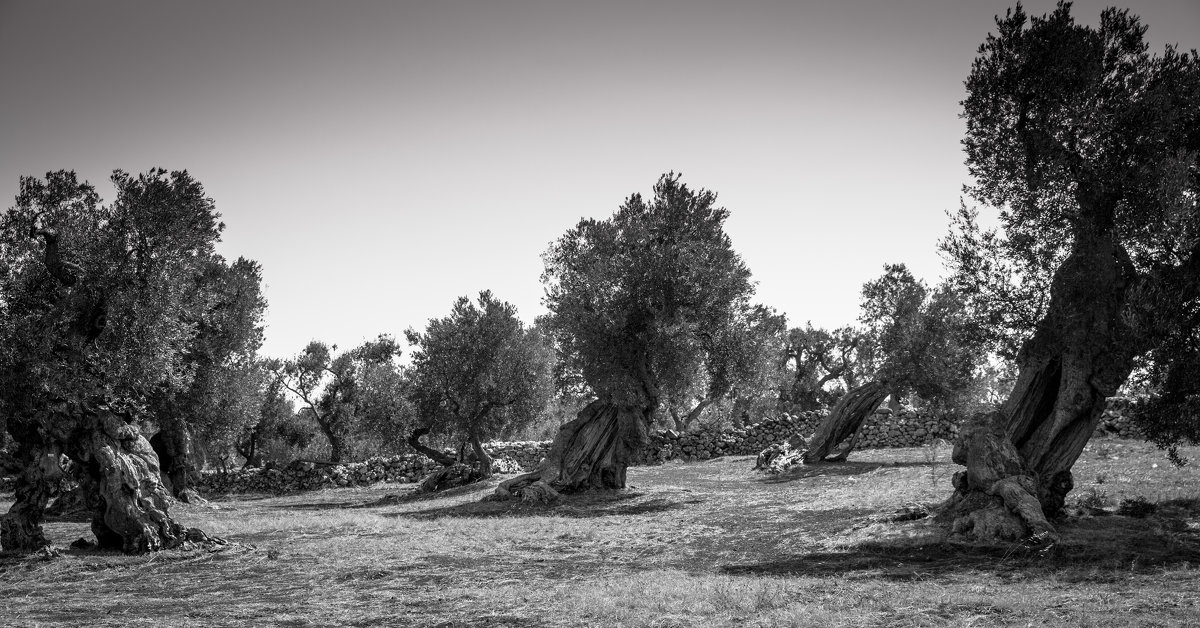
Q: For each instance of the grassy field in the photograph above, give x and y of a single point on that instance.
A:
(697, 544)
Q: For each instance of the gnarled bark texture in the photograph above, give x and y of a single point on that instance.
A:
(176, 458)
(21, 528)
(842, 423)
(1082, 351)
(592, 451)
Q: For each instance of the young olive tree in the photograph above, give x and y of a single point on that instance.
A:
(342, 391)
(923, 341)
(1079, 135)
(636, 302)
(741, 366)
(477, 373)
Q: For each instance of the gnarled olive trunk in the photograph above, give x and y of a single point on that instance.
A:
(841, 425)
(123, 486)
(173, 446)
(481, 456)
(119, 478)
(1081, 353)
(590, 452)
(21, 528)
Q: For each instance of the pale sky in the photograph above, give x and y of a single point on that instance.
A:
(381, 159)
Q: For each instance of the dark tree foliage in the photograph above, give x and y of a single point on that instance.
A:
(820, 364)
(742, 366)
(276, 428)
(479, 372)
(223, 395)
(637, 302)
(1080, 135)
(1003, 281)
(95, 312)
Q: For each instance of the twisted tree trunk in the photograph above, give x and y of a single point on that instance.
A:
(481, 456)
(414, 441)
(173, 446)
(1019, 460)
(590, 452)
(21, 527)
(841, 425)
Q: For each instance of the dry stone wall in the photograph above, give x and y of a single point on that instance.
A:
(906, 428)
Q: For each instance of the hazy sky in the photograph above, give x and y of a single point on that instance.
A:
(381, 159)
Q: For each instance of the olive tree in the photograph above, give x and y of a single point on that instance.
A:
(923, 340)
(94, 311)
(477, 373)
(340, 390)
(1078, 133)
(636, 302)
(224, 393)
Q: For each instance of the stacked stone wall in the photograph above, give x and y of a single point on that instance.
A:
(906, 428)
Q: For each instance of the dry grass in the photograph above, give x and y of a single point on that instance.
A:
(700, 544)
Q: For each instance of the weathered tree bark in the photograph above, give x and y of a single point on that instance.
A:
(124, 487)
(683, 423)
(414, 441)
(843, 421)
(339, 449)
(173, 446)
(21, 527)
(481, 456)
(1082, 351)
(590, 452)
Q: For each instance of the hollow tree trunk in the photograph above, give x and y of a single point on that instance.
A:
(843, 421)
(590, 452)
(1019, 461)
(21, 528)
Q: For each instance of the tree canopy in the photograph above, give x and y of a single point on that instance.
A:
(1077, 133)
(479, 372)
(642, 301)
(344, 391)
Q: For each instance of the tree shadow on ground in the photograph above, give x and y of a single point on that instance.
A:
(324, 505)
(611, 503)
(801, 472)
(1092, 549)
